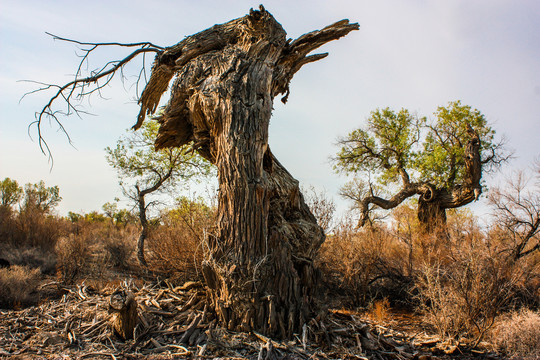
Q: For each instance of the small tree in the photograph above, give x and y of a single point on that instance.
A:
(41, 198)
(143, 171)
(10, 192)
(445, 171)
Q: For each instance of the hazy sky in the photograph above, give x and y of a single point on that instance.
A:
(416, 54)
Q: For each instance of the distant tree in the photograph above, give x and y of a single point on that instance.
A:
(445, 171)
(10, 192)
(94, 217)
(143, 171)
(74, 217)
(41, 198)
(118, 216)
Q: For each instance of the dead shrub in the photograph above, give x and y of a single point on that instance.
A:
(518, 334)
(72, 256)
(32, 257)
(176, 252)
(118, 251)
(366, 264)
(321, 206)
(30, 228)
(18, 285)
(462, 298)
(176, 247)
(115, 244)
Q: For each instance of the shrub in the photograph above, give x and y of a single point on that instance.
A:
(366, 264)
(33, 257)
(18, 285)
(72, 256)
(119, 247)
(176, 248)
(463, 297)
(518, 334)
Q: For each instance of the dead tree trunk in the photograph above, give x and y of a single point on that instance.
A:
(259, 271)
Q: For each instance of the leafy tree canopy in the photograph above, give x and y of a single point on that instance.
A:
(139, 165)
(41, 197)
(441, 159)
(10, 192)
(398, 146)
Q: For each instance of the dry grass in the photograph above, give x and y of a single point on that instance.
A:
(176, 248)
(367, 264)
(518, 334)
(379, 310)
(18, 285)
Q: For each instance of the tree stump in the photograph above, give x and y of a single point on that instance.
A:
(123, 306)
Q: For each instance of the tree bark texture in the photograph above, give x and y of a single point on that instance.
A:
(260, 271)
(433, 203)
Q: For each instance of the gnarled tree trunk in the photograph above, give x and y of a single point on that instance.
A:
(433, 202)
(259, 271)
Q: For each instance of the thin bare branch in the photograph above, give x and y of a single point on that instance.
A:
(81, 86)
(139, 44)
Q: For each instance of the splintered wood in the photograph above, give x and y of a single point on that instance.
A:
(176, 322)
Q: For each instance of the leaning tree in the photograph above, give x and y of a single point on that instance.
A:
(259, 272)
(144, 172)
(404, 156)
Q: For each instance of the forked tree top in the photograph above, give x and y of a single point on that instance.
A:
(246, 34)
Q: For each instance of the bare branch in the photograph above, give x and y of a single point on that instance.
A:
(139, 44)
(80, 86)
(405, 193)
(517, 210)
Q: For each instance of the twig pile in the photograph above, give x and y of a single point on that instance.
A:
(176, 323)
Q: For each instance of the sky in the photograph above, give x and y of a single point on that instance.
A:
(413, 54)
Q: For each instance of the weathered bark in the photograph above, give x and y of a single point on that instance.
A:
(123, 306)
(432, 205)
(260, 271)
